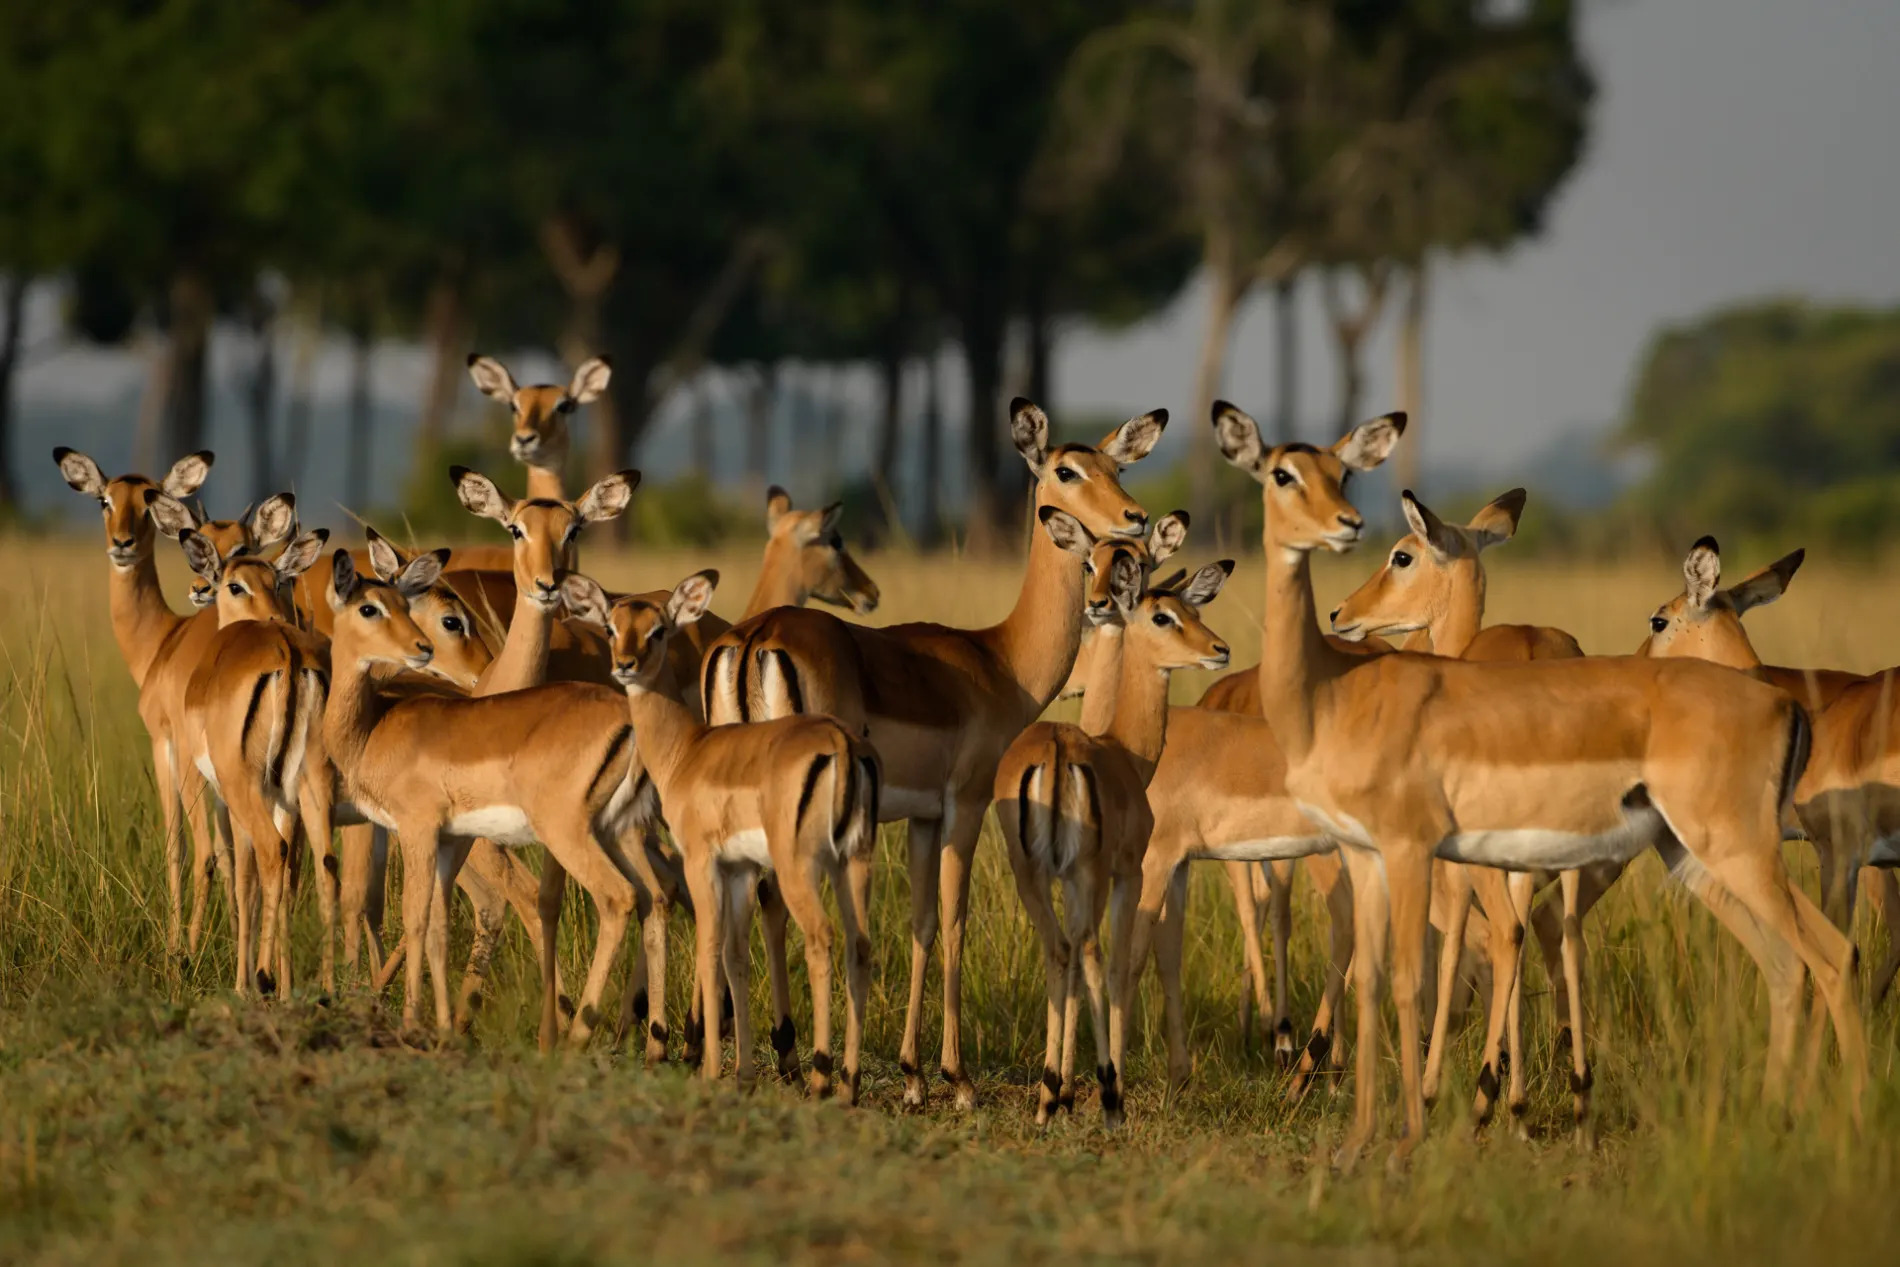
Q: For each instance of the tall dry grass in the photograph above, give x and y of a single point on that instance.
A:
(100, 1039)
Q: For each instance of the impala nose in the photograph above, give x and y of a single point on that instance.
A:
(1332, 617)
(1220, 650)
(123, 543)
(424, 648)
(1352, 522)
(1139, 518)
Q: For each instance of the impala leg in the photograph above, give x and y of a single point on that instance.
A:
(966, 823)
(1840, 852)
(1279, 877)
(1883, 891)
(1170, 943)
(244, 891)
(1152, 907)
(1571, 883)
(800, 895)
(313, 802)
(551, 897)
(654, 893)
(1408, 867)
(356, 851)
(1032, 887)
(1247, 912)
(854, 913)
(1125, 890)
(1094, 976)
(772, 918)
(1335, 883)
(208, 850)
(1506, 941)
(450, 853)
(588, 861)
(1521, 887)
(1369, 895)
(1456, 890)
(483, 860)
(171, 808)
(740, 889)
(703, 881)
(925, 835)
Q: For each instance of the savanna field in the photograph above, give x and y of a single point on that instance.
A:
(147, 1117)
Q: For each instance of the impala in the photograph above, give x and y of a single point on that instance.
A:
(1541, 765)
(1072, 804)
(795, 796)
(941, 704)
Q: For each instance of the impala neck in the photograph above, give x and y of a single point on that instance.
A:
(1295, 660)
(1037, 641)
(141, 618)
(667, 729)
(1452, 633)
(779, 584)
(1141, 712)
(353, 710)
(1104, 684)
(523, 661)
(545, 480)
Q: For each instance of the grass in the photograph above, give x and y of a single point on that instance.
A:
(152, 1119)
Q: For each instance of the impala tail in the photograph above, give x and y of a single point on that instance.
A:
(1058, 808)
(853, 772)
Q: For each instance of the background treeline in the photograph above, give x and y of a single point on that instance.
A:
(764, 190)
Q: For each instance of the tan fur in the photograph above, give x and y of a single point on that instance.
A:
(940, 704)
(795, 796)
(1405, 756)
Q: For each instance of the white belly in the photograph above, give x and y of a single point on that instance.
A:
(1529, 849)
(748, 847)
(895, 802)
(1269, 849)
(1345, 829)
(503, 824)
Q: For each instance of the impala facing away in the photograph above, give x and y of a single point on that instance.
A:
(1532, 766)
(941, 704)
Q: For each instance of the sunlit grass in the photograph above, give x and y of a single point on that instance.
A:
(144, 1117)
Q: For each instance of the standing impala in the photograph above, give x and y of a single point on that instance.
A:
(941, 704)
(1073, 807)
(1547, 764)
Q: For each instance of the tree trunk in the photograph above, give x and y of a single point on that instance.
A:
(586, 276)
(891, 356)
(154, 398)
(307, 342)
(760, 406)
(192, 309)
(260, 395)
(930, 499)
(1225, 291)
(995, 490)
(445, 321)
(704, 437)
(12, 317)
(619, 431)
(1350, 327)
(356, 489)
(1411, 374)
(1286, 358)
(1040, 329)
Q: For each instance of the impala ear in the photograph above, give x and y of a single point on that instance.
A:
(275, 520)
(1168, 535)
(80, 471)
(1370, 443)
(1439, 537)
(828, 520)
(385, 560)
(1029, 432)
(421, 573)
(172, 516)
(188, 473)
(1066, 531)
(1207, 582)
(1136, 438)
(479, 494)
(590, 380)
(1766, 585)
(201, 554)
(492, 378)
(1239, 438)
(1124, 581)
(344, 582)
(1497, 522)
(585, 600)
(608, 498)
(1702, 572)
(691, 597)
(1169, 583)
(302, 552)
(778, 504)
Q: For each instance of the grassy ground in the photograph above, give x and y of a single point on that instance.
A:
(151, 1119)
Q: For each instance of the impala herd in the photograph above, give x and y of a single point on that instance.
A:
(477, 702)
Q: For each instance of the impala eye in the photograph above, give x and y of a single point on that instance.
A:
(1066, 475)
(1162, 620)
(452, 623)
(1658, 624)
(368, 611)
(1282, 477)
(1400, 559)
(237, 591)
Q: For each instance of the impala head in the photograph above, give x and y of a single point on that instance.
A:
(257, 530)
(809, 544)
(1304, 488)
(1099, 555)
(1706, 622)
(544, 529)
(1082, 481)
(638, 629)
(460, 652)
(1164, 626)
(372, 615)
(1433, 567)
(540, 412)
(125, 501)
(244, 584)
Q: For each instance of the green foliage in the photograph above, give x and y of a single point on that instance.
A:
(1775, 418)
(688, 511)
